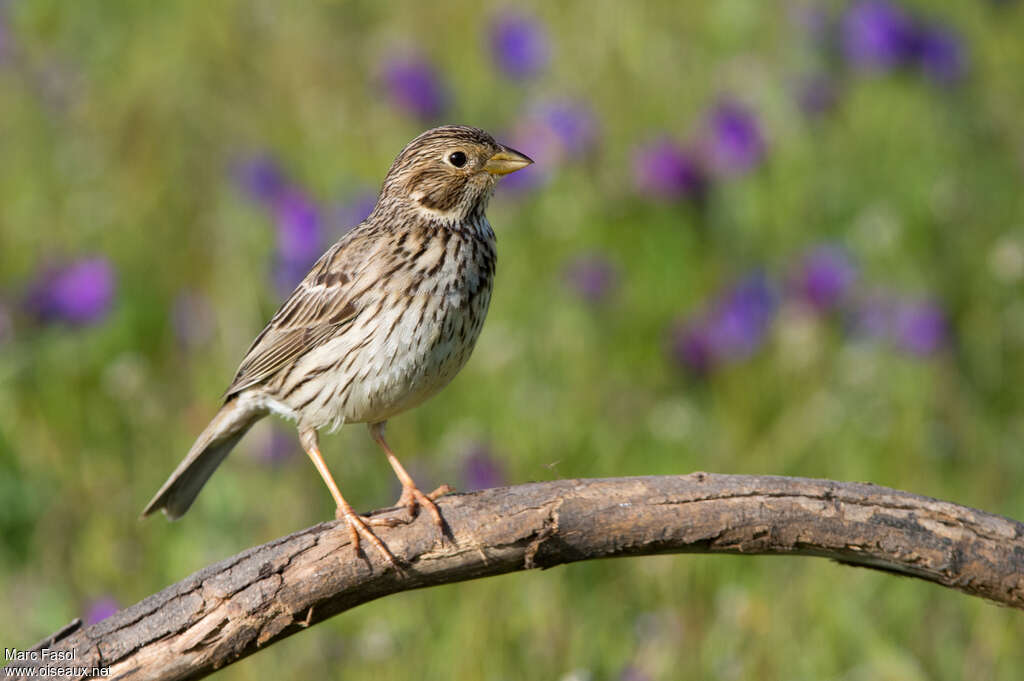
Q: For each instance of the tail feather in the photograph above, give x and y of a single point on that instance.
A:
(212, 446)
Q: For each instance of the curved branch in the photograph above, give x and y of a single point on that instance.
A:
(233, 608)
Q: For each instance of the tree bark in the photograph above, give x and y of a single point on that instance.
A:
(236, 607)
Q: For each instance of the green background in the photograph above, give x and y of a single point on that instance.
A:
(119, 122)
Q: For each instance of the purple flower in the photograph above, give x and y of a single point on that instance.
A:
(733, 326)
(734, 143)
(631, 672)
(298, 227)
(480, 470)
(664, 170)
(192, 320)
(591, 276)
(280, 446)
(552, 132)
(824, 277)
(287, 275)
(571, 125)
(296, 216)
(532, 176)
(518, 44)
(872, 316)
(100, 609)
(817, 95)
(877, 35)
(920, 327)
(535, 138)
(6, 326)
(940, 54)
(299, 236)
(415, 88)
(79, 293)
(5, 38)
(739, 321)
(353, 210)
(691, 346)
(261, 178)
(813, 20)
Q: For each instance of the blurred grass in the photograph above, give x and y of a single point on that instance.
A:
(120, 123)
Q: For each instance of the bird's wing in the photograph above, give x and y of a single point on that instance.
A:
(317, 310)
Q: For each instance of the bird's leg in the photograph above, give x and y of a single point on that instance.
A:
(411, 495)
(356, 524)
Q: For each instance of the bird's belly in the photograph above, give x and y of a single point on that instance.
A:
(393, 357)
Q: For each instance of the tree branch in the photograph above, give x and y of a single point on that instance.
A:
(234, 608)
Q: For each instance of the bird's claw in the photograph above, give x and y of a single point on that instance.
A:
(413, 499)
(441, 491)
(358, 526)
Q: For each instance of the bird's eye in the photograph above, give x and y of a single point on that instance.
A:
(457, 159)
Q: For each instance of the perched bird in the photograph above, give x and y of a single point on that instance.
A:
(384, 320)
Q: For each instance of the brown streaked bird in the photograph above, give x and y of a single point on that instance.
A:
(384, 320)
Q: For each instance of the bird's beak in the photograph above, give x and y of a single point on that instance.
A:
(506, 161)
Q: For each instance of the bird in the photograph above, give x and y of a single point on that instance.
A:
(384, 320)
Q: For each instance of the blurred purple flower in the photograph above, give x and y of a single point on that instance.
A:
(734, 143)
(415, 87)
(6, 326)
(632, 672)
(739, 321)
(192, 319)
(824, 277)
(817, 95)
(536, 141)
(100, 609)
(662, 169)
(551, 132)
(80, 293)
(519, 44)
(261, 178)
(877, 35)
(287, 275)
(300, 231)
(920, 327)
(4, 36)
(813, 19)
(940, 54)
(480, 470)
(299, 235)
(872, 315)
(572, 124)
(6, 41)
(280, 446)
(732, 327)
(591, 276)
(691, 346)
(353, 210)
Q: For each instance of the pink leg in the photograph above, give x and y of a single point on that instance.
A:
(356, 524)
(411, 495)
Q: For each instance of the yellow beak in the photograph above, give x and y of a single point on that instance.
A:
(506, 161)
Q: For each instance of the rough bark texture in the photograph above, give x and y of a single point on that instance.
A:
(240, 605)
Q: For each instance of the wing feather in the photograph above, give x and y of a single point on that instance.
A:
(317, 311)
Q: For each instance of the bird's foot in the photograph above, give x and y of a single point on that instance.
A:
(441, 491)
(409, 503)
(413, 499)
(357, 526)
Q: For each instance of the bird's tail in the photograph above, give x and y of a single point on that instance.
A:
(225, 430)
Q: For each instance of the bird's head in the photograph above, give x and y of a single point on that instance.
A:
(449, 172)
